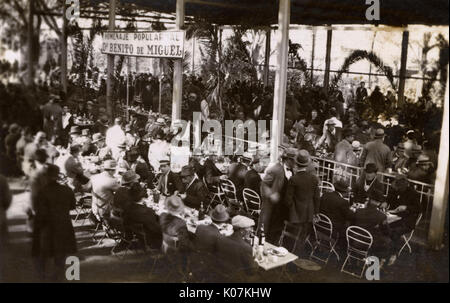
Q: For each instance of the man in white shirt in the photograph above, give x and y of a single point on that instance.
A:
(103, 187)
(115, 137)
(158, 150)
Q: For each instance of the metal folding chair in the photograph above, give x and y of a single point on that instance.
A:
(289, 236)
(252, 203)
(327, 186)
(217, 196)
(359, 242)
(323, 231)
(229, 190)
(83, 207)
(407, 237)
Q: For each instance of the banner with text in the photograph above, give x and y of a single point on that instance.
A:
(164, 44)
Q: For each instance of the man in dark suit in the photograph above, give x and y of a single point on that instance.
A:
(212, 173)
(303, 197)
(207, 236)
(404, 201)
(368, 186)
(252, 179)
(169, 182)
(272, 190)
(335, 207)
(195, 192)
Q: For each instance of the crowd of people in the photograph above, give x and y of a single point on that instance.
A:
(78, 150)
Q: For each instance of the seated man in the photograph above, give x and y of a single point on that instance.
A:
(74, 171)
(236, 251)
(368, 186)
(207, 236)
(335, 207)
(252, 179)
(125, 199)
(136, 163)
(195, 192)
(173, 227)
(103, 187)
(403, 201)
(169, 182)
(212, 172)
(423, 171)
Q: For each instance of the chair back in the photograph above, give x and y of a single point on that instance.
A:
(323, 228)
(289, 236)
(229, 190)
(419, 218)
(359, 241)
(326, 186)
(252, 201)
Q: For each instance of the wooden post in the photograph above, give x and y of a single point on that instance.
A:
(326, 78)
(128, 88)
(177, 95)
(267, 58)
(64, 51)
(110, 66)
(403, 60)
(30, 67)
(279, 97)
(312, 52)
(440, 198)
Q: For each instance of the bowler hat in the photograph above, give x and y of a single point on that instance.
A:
(219, 214)
(303, 159)
(379, 133)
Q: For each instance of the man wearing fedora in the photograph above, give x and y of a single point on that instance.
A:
(399, 158)
(125, 201)
(174, 229)
(273, 210)
(75, 135)
(328, 138)
(104, 185)
(423, 171)
(207, 236)
(303, 196)
(52, 114)
(101, 150)
(404, 201)
(195, 191)
(169, 182)
(377, 152)
(335, 207)
(212, 173)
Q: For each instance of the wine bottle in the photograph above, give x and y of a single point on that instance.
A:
(201, 212)
(262, 236)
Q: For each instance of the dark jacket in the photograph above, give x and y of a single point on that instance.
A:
(411, 199)
(337, 209)
(252, 180)
(196, 194)
(207, 237)
(176, 227)
(302, 197)
(235, 254)
(212, 173)
(173, 183)
(375, 192)
(53, 233)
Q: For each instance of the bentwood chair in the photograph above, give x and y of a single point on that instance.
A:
(231, 199)
(407, 237)
(326, 186)
(359, 242)
(323, 231)
(252, 203)
(217, 196)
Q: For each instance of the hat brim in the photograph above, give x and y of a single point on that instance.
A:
(214, 217)
(98, 140)
(304, 164)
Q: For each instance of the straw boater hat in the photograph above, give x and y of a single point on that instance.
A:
(423, 159)
(97, 137)
(174, 204)
(356, 145)
(129, 177)
(164, 162)
(109, 165)
(331, 122)
(122, 145)
(379, 133)
(219, 214)
(75, 130)
(303, 159)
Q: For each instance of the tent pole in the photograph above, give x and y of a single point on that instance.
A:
(177, 94)
(403, 60)
(110, 66)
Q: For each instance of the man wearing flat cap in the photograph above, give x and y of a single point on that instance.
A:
(377, 152)
(195, 191)
(272, 190)
(235, 251)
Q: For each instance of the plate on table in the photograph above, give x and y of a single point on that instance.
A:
(280, 251)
